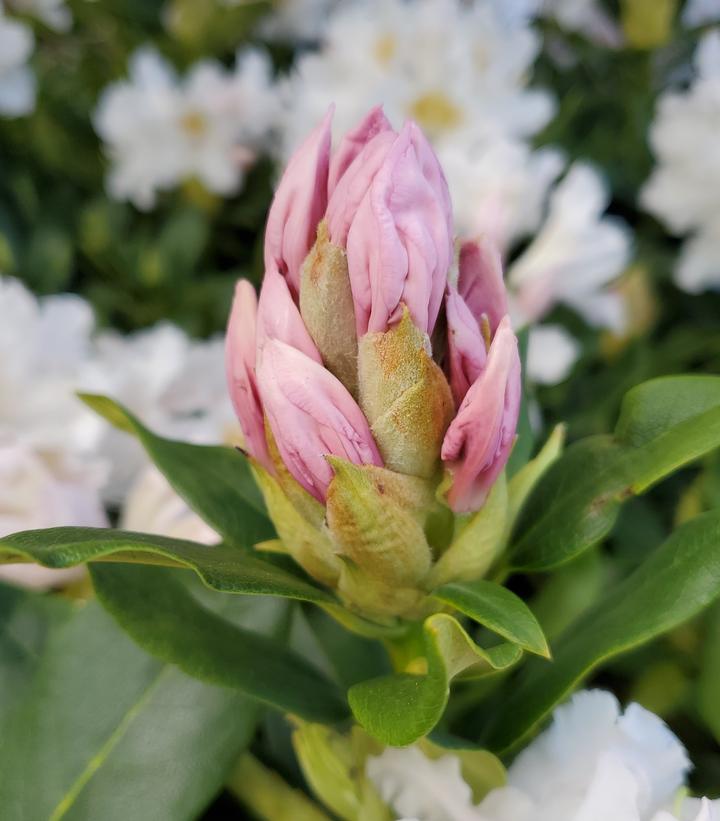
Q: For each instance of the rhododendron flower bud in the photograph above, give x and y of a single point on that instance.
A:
(299, 204)
(311, 416)
(240, 368)
(478, 441)
(366, 442)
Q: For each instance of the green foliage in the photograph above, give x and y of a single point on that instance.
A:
(89, 722)
(674, 584)
(223, 568)
(163, 618)
(215, 481)
(663, 425)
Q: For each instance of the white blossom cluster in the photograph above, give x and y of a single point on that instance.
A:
(60, 464)
(594, 763)
(684, 189)
(161, 130)
(462, 70)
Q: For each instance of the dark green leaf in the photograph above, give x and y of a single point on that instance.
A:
(498, 609)
(101, 730)
(674, 584)
(220, 567)
(400, 708)
(163, 618)
(215, 481)
(664, 424)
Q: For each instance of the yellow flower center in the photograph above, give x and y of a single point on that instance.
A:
(193, 123)
(385, 48)
(436, 112)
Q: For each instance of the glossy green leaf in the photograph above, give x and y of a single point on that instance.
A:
(215, 481)
(100, 730)
(400, 708)
(664, 424)
(159, 613)
(220, 567)
(498, 609)
(678, 580)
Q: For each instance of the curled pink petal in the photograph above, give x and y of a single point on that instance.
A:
(240, 371)
(299, 204)
(375, 122)
(354, 184)
(478, 442)
(311, 415)
(466, 346)
(399, 244)
(279, 317)
(480, 281)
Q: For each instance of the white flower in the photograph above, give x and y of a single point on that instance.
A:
(684, 189)
(174, 385)
(700, 12)
(575, 256)
(53, 13)
(152, 506)
(160, 131)
(17, 81)
(459, 69)
(414, 785)
(499, 189)
(44, 345)
(586, 17)
(294, 20)
(48, 489)
(552, 351)
(593, 763)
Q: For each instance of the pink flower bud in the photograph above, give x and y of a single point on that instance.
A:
(240, 370)
(478, 442)
(375, 122)
(311, 415)
(279, 316)
(400, 243)
(466, 346)
(299, 205)
(480, 281)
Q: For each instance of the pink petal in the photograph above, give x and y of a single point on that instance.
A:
(240, 370)
(480, 282)
(375, 122)
(354, 184)
(311, 415)
(466, 346)
(478, 442)
(299, 205)
(399, 244)
(279, 317)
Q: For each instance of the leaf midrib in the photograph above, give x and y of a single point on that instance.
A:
(96, 761)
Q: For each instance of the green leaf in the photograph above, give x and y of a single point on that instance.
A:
(215, 481)
(678, 580)
(498, 609)
(220, 567)
(102, 730)
(152, 606)
(664, 424)
(401, 708)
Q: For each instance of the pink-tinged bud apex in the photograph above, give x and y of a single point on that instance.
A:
(480, 281)
(399, 245)
(299, 205)
(279, 317)
(240, 350)
(478, 442)
(311, 415)
(466, 346)
(375, 122)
